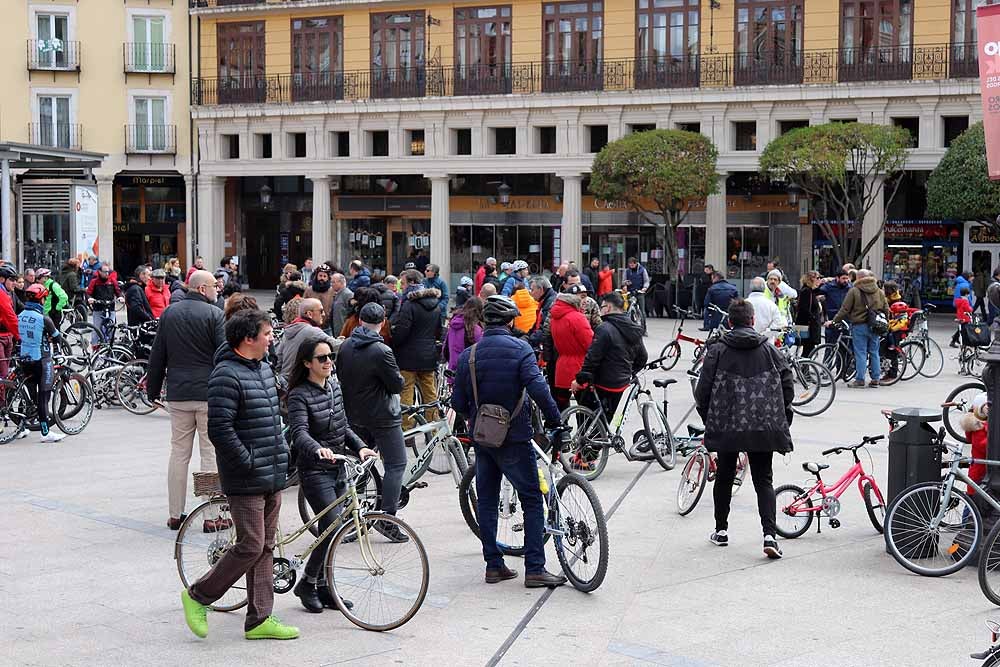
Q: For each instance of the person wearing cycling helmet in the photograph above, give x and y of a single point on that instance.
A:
(8, 317)
(37, 332)
(505, 370)
(518, 277)
(54, 289)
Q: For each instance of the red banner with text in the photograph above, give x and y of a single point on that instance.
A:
(988, 27)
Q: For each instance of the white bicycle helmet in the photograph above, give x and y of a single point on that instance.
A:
(519, 265)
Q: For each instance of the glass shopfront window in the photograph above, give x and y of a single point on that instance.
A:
(46, 240)
(149, 214)
(746, 254)
(926, 254)
(386, 245)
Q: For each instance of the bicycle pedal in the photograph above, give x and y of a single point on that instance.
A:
(834, 523)
(420, 485)
(517, 528)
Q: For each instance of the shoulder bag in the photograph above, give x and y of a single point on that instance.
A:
(875, 319)
(492, 420)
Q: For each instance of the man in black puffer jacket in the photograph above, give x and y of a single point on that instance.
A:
(416, 329)
(244, 423)
(615, 355)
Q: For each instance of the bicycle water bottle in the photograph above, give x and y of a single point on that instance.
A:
(543, 483)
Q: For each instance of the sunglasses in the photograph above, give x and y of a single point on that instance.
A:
(323, 358)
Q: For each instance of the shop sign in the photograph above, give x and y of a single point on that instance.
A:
(85, 214)
(516, 204)
(735, 203)
(988, 27)
(983, 234)
(149, 180)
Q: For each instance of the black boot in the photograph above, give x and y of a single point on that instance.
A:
(326, 597)
(306, 592)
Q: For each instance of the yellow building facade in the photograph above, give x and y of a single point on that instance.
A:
(102, 77)
(400, 131)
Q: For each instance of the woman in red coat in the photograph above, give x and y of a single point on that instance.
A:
(571, 335)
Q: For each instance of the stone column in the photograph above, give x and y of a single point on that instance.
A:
(189, 240)
(211, 219)
(715, 227)
(870, 226)
(322, 225)
(571, 233)
(106, 217)
(440, 225)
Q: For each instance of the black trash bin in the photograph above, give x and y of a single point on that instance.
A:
(913, 453)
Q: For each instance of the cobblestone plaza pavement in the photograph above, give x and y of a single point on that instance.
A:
(89, 576)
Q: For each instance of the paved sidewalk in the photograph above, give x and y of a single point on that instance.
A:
(89, 576)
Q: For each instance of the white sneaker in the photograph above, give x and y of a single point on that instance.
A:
(52, 437)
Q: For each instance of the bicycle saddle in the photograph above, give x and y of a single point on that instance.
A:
(695, 431)
(664, 383)
(814, 468)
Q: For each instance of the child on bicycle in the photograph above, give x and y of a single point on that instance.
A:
(975, 424)
(37, 332)
(963, 313)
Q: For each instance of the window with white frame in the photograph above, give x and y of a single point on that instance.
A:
(149, 133)
(53, 127)
(149, 48)
(52, 35)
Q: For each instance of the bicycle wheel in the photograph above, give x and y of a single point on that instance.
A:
(14, 400)
(658, 435)
(583, 547)
(829, 355)
(927, 551)
(81, 336)
(956, 405)
(588, 455)
(934, 359)
(386, 580)
(440, 459)
(892, 364)
(369, 495)
(196, 550)
(915, 358)
(510, 518)
(875, 505)
(694, 477)
(72, 403)
(815, 388)
(790, 520)
(669, 355)
(989, 566)
(130, 387)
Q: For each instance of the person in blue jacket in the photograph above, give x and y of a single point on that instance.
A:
(964, 280)
(37, 332)
(720, 294)
(834, 292)
(506, 370)
(360, 276)
(433, 281)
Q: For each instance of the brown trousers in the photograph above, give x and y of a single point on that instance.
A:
(256, 521)
(426, 382)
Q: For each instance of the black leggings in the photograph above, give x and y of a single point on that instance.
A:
(322, 487)
(722, 493)
(40, 377)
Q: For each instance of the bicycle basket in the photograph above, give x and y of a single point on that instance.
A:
(207, 484)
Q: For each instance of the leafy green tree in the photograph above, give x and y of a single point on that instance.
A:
(960, 187)
(660, 174)
(837, 166)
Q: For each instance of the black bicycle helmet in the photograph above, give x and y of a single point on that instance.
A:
(7, 272)
(499, 309)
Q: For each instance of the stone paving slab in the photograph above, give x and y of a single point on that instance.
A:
(89, 576)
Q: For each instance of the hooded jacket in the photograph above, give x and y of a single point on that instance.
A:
(744, 395)
(317, 420)
(104, 289)
(720, 294)
(416, 328)
(529, 310)
(442, 287)
(295, 335)
(362, 278)
(158, 299)
(455, 341)
(571, 337)
(616, 354)
(189, 333)
(177, 291)
(244, 424)
(853, 308)
(388, 299)
(605, 281)
(137, 304)
(367, 370)
(766, 315)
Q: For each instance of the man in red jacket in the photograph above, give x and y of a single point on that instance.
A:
(157, 293)
(481, 273)
(8, 319)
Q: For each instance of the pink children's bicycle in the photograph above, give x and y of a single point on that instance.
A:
(797, 507)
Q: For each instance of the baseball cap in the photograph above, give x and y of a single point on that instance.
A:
(578, 288)
(372, 313)
(465, 280)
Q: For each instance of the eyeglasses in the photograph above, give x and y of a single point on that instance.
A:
(323, 358)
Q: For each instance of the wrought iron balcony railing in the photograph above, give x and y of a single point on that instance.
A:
(151, 139)
(53, 55)
(56, 135)
(149, 58)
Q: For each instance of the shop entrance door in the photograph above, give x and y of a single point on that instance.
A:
(985, 259)
(617, 248)
(263, 260)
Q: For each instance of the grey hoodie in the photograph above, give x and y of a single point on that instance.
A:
(295, 335)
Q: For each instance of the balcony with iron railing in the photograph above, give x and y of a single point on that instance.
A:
(56, 135)
(822, 66)
(53, 55)
(151, 139)
(149, 58)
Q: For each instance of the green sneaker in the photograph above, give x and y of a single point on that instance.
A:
(272, 628)
(195, 614)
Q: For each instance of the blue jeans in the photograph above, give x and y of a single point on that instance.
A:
(389, 443)
(865, 352)
(516, 462)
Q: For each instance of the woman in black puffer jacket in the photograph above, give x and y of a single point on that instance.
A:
(318, 429)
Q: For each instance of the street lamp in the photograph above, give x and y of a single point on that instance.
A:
(794, 192)
(265, 196)
(503, 193)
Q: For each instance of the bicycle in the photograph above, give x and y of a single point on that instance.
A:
(357, 567)
(959, 402)
(932, 528)
(838, 357)
(990, 656)
(632, 307)
(71, 404)
(572, 516)
(799, 508)
(671, 352)
(816, 385)
(920, 333)
(593, 435)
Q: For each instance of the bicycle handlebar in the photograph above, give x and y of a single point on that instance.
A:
(867, 440)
